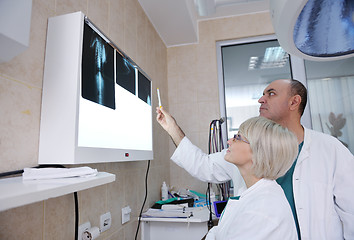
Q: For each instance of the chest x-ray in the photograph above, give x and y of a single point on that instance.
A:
(97, 69)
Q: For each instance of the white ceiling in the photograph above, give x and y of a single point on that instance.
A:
(176, 21)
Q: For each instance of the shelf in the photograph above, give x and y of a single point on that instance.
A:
(15, 192)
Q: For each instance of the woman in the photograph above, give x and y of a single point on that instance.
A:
(263, 151)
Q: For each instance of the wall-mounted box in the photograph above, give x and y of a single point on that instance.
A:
(96, 102)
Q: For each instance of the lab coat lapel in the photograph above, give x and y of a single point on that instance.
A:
(304, 154)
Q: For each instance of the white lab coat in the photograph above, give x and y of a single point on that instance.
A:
(323, 183)
(261, 213)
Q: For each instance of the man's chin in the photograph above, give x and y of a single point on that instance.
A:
(265, 115)
(262, 113)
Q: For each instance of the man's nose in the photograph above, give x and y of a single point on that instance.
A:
(261, 100)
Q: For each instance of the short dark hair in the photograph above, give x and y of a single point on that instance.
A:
(297, 88)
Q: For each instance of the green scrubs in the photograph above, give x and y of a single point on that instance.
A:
(286, 182)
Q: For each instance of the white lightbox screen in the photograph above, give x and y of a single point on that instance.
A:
(115, 102)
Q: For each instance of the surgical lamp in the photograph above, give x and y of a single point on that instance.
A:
(317, 30)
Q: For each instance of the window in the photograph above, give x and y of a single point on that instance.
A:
(248, 66)
(331, 98)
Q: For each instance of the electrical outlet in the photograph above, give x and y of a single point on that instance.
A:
(82, 229)
(105, 221)
(126, 214)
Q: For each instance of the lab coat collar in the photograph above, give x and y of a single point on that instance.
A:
(254, 187)
(304, 154)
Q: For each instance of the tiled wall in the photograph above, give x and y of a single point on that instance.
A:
(193, 84)
(20, 101)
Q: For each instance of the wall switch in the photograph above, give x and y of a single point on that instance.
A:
(82, 229)
(126, 214)
(105, 221)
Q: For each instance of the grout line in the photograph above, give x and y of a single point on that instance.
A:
(18, 81)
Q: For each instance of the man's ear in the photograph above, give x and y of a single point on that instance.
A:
(295, 102)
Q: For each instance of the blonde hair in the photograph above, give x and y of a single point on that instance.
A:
(274, 148)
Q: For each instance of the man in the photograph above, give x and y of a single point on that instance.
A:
(319, 186)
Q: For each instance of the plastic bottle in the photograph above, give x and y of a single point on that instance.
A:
(164, 192)
(212, 199)
(212, 196)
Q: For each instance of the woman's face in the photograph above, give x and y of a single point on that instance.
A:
(239, 151)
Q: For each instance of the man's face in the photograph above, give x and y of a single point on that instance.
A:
(275, 101)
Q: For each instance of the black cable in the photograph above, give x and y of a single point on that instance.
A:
(215, 145)
(220, 134)
(6, 174)
(209, 146)
(76, 216)
(210, 221)
(50, 166)
(142, 207)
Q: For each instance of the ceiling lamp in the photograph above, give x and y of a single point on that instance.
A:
(317, 30)
(274, 57)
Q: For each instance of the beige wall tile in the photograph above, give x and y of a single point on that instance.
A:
(151, 35)
(187, 87)
(19, 124)
(130, 18)
(117, 235)
(186, 114)
(70, 6)
(59, 214)
(173, 86)
(186, 58)
(97, 12)
(116, 22)
(142, 27)
(92, 204)
(206, 88)
(22, 222)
